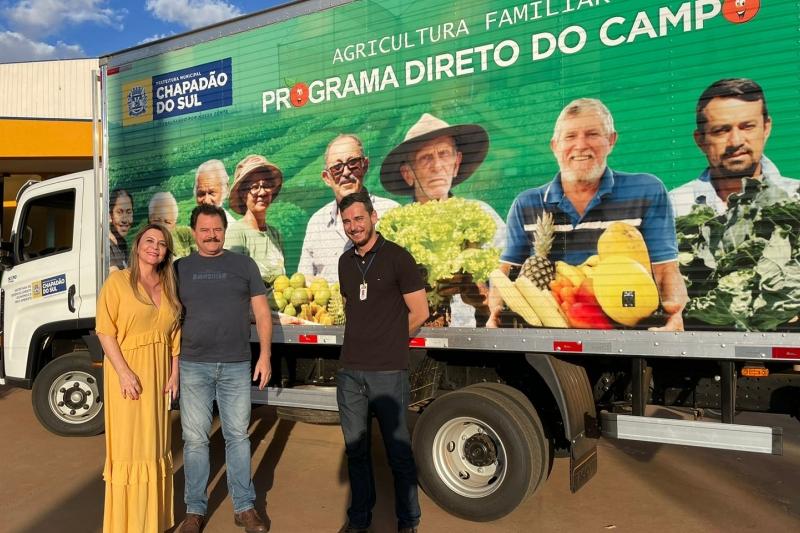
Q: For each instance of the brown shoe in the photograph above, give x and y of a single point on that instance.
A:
(250, 521)
(193, 523)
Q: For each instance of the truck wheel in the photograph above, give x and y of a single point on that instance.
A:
(67, 396)
(522, 401)
(477, 454)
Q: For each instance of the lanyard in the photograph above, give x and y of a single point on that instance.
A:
(365, 270)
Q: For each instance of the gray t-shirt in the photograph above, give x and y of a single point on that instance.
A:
(215, 293)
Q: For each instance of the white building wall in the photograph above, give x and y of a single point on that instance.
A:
(47, 89)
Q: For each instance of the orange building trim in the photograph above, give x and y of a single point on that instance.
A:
(45, 138)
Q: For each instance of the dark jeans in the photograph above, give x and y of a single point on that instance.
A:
(384, 394)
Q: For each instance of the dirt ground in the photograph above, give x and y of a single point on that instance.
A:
(50, 483)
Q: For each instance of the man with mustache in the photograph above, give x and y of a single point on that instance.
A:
(585, 197)
(733, 126)
(325, 240)
(218, 288)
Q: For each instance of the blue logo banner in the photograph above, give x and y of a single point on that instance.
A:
(193, 89)
(54, 285)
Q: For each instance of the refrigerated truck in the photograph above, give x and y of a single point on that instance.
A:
(496, 404)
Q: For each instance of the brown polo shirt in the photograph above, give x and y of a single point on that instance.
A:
(376, 328)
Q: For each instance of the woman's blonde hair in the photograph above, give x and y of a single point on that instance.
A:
(164, 269)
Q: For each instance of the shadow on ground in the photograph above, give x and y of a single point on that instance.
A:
(263, 421)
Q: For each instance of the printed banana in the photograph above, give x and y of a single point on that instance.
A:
(543, 303)
(573, 274)
(512, 297)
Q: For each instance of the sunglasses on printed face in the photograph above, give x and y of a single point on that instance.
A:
(354, 164)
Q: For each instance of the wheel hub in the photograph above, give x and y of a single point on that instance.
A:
(75, 397)
(469, 457)
(480, 450)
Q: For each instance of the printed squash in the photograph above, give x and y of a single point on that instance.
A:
(621, 239)
(624, 289)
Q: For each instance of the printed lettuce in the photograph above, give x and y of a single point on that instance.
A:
(743, 267)
(447, 238)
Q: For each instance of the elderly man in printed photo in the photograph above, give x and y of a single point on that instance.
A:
(346, 165)
(433, 158)
(163, 209)
(585, 197)
(211, 186)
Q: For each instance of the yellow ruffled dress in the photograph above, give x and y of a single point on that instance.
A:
(138, 467)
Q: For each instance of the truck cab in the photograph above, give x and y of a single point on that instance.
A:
(48, 290)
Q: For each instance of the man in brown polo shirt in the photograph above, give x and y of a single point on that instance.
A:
(385, 303)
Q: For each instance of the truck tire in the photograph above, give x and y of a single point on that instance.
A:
(67, 396)
(478, 456)
(522, 401)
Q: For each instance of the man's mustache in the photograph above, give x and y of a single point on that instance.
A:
(347, 179)
(212, 239)
(733, 149)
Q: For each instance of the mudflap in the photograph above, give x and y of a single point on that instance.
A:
(582, 462)
(573, 393)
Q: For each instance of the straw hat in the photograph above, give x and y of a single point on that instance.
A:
(247, 166)
(471, 140)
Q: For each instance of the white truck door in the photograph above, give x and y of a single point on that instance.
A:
(42, 287)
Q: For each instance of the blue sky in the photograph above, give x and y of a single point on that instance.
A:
(34, 30)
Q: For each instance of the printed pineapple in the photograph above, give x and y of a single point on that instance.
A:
(336, 305)
(538, 268)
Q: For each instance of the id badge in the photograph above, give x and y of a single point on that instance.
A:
(362, 292)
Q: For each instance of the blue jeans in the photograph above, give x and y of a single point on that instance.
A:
(384, 394)
(229, 384)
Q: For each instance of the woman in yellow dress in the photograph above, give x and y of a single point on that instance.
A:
(138, 325)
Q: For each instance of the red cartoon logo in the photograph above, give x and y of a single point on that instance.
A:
(740, 11)
(299, 94)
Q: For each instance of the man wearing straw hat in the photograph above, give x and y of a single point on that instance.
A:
(325, 240)
(433, 158)
(256, 184)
